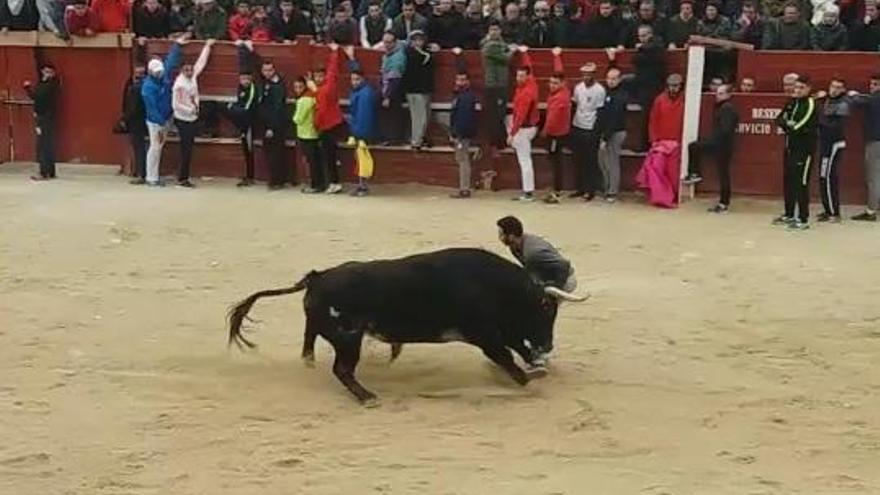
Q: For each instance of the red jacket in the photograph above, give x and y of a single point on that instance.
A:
(261, 31)
(327, 112)
(558, 120)
(525, 101)
(112, 15)
(239, 27)
(667, 118)
(77, 24)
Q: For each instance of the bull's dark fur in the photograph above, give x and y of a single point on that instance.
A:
(485, 299)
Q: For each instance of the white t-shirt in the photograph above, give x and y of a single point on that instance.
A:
(587, 103)
(185, 99)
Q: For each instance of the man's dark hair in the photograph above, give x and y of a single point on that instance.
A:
(792, 4)
(510, 225)
(359, 72)
(462, 73)
(609, 2)
(838, 78)
(495, 23)
(803, 79)
(527, 70)
(558, 75)
(375, 3)
(391, 33)
(246, 2)
(268, 62)
(749, 4)
(301, 80)
(339, 9)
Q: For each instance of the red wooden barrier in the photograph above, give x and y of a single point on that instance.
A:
(768, 67)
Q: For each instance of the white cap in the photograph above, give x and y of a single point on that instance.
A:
(155, 67)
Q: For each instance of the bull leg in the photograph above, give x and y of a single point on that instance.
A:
(501, 356)
(348, 353)
(524, 352)
(396, 349)
(311, 333)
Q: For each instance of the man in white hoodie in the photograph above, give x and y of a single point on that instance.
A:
(185, 104)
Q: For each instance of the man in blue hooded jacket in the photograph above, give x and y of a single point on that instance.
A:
(156, 93)
(362, 113)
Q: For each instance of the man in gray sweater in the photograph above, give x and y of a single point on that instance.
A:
(542, 261)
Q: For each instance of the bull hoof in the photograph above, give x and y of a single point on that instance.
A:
(371, 402)
(536, 372)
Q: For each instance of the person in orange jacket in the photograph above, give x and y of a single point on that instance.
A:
(524, 123)
(667, 112)
(557, 123)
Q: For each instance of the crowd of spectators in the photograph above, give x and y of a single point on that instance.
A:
(826, 25)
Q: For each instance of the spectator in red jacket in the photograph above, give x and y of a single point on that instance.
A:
(524, 123)
(112, 15)
(261, 29)
(79, 20)
(557, 123)
(328, 116)
(667, 113)
(240, 22)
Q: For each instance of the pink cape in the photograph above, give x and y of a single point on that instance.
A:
(659, 174)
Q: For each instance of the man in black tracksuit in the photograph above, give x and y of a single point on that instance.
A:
(832, 117)
(798, 121)
(243, 112)
(273, 114)
(719, 143)
(45, 97)
(134, 117)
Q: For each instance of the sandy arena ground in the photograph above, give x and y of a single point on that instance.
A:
(718, 355)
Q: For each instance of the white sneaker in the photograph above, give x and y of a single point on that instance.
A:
(334, 189)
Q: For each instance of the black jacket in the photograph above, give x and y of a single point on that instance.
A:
(538, 34)
(419, 74)
(45, 96)
(659, 24)
(297, 25)
(612, 115)
(798, 119)
(26, 20)
(133, 112)
(650, 68)
(273, 105)
(603, 32)
(447, 30)
(724, 123)
(151, 24)
(866, 37)
(832, 118)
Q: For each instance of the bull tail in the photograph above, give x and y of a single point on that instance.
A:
(239, 312)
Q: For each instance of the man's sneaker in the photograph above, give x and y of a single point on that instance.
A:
(611, 198)
(156, 183)
(185, 183)
(360, 192)
(137, 181)
(798, 225)
(576, 194)
(245, 183)
(552, 199)
(719, 208)
(334, 189)
(589, 197)
(782, 220)
(834, 219)
(865, 217)
(39, 178)
(524, 197)
(462, 194)
(692, 179)
(310, 190)
(823, 217)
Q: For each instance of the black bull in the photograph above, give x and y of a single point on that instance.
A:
(466, 295)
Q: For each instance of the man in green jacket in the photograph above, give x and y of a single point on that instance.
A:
(210, 21)
(496, 74)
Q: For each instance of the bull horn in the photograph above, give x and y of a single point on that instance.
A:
(565, 296)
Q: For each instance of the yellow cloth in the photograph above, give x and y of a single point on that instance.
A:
(364, 159)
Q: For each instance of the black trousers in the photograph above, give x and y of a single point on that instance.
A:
(495, 109)
(311, 150)
(329, 156)
(585, 145)
(187, 132)
(796, 177)
(556, 160)
(45, 131)
(244, 122)
(830, 158)
(137, 136)
(273, 147)
(393, 119)
(722, 155)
